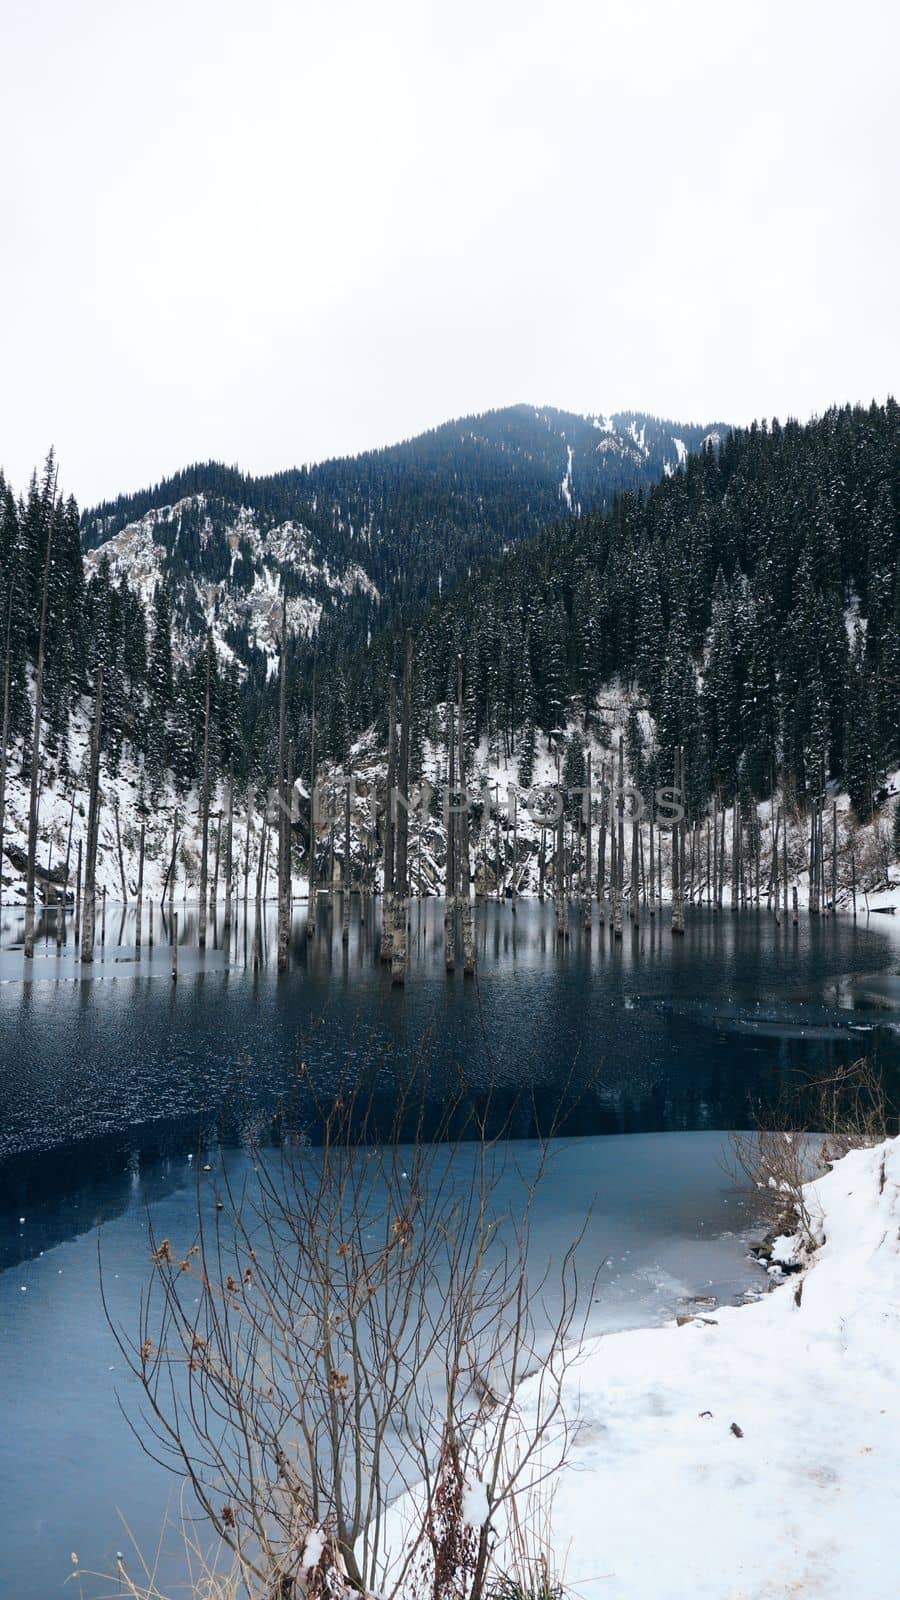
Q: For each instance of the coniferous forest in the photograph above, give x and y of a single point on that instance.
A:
(751, 597)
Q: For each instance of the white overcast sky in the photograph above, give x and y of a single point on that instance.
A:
(272, 232)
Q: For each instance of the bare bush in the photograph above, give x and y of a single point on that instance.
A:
(348, 1330)
(800, 1138)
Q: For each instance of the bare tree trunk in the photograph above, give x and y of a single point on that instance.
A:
(834, 845)
(119, 853)
(284, 830)
(450, 864)
(776, 876)
(345, 901)
(93, 829)
(401, 868)
(204, 800)
(312, 902)
(618, 892)
(387, 908)
(559, 876)
(601, 850)
(635, 875)
(678, 851)
(587, 885)
(813, 870)
(173, 866)
(78, 897)
(36, 738)
(468, 940)
(652, 873)
(263, 831)
(229, 852)
(6, 677)
(214, 887)
(140, 892)
(715, 864)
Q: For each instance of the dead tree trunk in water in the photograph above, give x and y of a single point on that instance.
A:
(204, 799)
(450, 868)
(588, 819)
(78, 897)
(345, 902)
(401, 868)
(559, 875)
(263, 830)
(214, 887)
(284, 828)
(93, 828)
(387, 907)
(677, 850)
(229, 851)
(120, 855)
(6, 677)
(652, 896)
(173, 867)
(601, 850)
(468, 941)
(834, 845)
(50, 511)
(619, 895)
(813, 876)
(140, 892)
(313, 898)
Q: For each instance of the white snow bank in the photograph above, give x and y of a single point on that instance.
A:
(751, 1453)
(663, 1497)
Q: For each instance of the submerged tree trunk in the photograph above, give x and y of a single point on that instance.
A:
(387, 905)
(36, 738)
(229, 852)
(169, 882)
(140, 893)
(93, 828)
(120, 855)
(450, 868)
(463, 866)
(601, 850)
(587, 886)
(618, 909)
(345, 901)
(312, 901)
(6, 681)
(677, 856)
(78, 896)
(204, 800)
(284, 829)
(401, 869)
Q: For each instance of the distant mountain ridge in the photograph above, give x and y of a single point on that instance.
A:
(354, 540)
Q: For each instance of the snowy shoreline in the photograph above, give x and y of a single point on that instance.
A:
(752, 1452)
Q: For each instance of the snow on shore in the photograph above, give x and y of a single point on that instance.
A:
(755, 1452)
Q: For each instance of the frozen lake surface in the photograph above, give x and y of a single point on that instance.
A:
(113, 1081)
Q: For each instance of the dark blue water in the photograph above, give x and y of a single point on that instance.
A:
(114, 1082)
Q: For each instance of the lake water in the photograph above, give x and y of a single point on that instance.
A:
(115, 1083)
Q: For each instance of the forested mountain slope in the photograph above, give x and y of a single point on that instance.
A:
(752, 599)
(353, 542)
